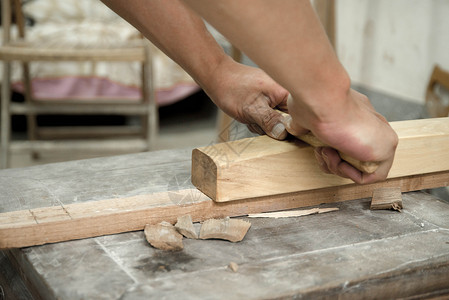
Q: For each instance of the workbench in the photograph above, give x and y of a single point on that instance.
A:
(350, 253)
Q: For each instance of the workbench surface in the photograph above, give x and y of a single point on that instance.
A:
(353, 252)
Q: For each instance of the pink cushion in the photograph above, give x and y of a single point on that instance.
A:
(88, 88)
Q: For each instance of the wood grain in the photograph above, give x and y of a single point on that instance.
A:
(262, 166)
(233, 230)
(164, 236)
(387, 198)
(89, 219)
(294, 213)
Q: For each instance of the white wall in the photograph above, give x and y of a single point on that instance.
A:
(392, 45)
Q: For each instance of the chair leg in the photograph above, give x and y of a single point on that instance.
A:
(152, 117)
(153, 126)
(5, 116)
(31, 118)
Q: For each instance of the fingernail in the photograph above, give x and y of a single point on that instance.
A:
(278, 130)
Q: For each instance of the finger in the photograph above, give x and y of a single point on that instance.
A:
(276, 94)
(380, 174)
(294, 128)
(269, 120)
(321, 163)
(332, 160)
(364, 178)
(348, 171)
(282, 107)
(340, 167)
(254, 128)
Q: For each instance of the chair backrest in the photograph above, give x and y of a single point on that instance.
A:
(6, 20)
(436, 106)
(8, 15)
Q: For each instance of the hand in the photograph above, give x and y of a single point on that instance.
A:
(356, 130)
(249, 95)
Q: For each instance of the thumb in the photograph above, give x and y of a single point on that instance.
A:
(292, 127)
(271, 121)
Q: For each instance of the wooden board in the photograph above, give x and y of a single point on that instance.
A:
(39, 226)
(261, 166)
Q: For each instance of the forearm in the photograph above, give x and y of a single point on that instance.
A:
(247, 94)
(285, 39)
(177, 31)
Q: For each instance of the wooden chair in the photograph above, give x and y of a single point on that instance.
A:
(25, 53)
(436, 106)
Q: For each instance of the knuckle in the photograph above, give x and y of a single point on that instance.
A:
(249, 109)
(268, 120)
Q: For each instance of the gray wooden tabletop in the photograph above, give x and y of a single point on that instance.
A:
(353, 252)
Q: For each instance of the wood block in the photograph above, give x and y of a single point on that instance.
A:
(233, 230)
(164, 236)
(233, 266)
(184, 225)
(261, 166)
(387, 198)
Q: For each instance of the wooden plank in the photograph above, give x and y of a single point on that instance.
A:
(66, 132)
(26, 53)
(436, 107)
(387, 198)
(96, 218)
(119, 108)
(262, 166)
(119, 144)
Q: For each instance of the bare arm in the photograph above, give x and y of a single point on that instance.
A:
(286, 39)
(182, 35)
(174, 29)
